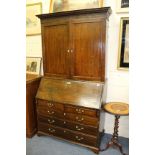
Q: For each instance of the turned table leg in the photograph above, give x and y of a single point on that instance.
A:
(114, 139)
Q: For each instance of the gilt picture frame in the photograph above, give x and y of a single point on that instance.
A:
(68, 5)
(123, 50)
(33, 26)
(33, 65)
(122, 6)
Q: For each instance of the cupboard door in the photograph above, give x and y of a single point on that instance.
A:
(55, 47)
(88, 50)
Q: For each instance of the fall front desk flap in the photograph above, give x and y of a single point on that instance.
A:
(79, 93)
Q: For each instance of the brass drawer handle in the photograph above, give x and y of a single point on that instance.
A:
(64, 114)
(78, 138)
(50, 104)
(51, 130)
(78, 128)
(64, 122)
(64, 131)
(79, 111)
(50, 112)
(51, 121)
(78, 119)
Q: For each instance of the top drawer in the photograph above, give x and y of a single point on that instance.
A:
(43, 104)
(80, 110)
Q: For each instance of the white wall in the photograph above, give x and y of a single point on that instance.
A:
(117, 81)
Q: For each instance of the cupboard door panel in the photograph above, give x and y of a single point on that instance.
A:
(88, 52)
(56, 44)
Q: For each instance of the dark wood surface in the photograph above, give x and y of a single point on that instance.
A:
(56, 42)
(68, 53)
(69, 125)
(79, 93)
(32, 77)
(103, 10)
(114, 140)
(73, 44)
(88, 49)
(94, 149)
(80, 110)
(67, 134)
(70, 110)
(32, 84)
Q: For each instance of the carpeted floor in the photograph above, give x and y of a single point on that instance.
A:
(51, 146)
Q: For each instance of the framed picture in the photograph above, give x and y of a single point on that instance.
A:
(67, 5)
(33, 65)
(32, 22)
(123, 51)
(122, 6)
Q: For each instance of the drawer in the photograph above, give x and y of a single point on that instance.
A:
(48, 112)
(49, 129)
(43, 104)
(69, 125)
(81, 128)
(80, 110)
(82, 119)
(51, 120)
(67, 134)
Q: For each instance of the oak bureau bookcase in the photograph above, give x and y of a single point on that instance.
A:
(69, 97)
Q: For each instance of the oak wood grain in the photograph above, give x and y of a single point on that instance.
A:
(79, 93)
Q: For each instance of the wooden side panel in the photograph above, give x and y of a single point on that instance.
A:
(88, 50)
(31, 120)
(56, 45)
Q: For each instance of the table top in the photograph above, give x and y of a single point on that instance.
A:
(32, 77)
(117, 108)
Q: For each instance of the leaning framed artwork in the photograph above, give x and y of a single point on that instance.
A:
(123, 51)
(33, 65)
(32, 22)
(68, 5)
(122, 6)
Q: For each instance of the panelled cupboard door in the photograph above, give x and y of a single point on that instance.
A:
(88, 41)
(55, 52)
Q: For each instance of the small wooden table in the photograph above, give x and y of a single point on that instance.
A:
(118, 109)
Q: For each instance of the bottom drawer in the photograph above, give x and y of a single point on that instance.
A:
(67, 134)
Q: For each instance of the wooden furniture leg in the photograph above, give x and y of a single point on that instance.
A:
(114, 139)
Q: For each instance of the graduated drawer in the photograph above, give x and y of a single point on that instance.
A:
(49, 112)
(43, 104)
(67, 134)
(82, 119)
(80, 110)
(69, 125)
